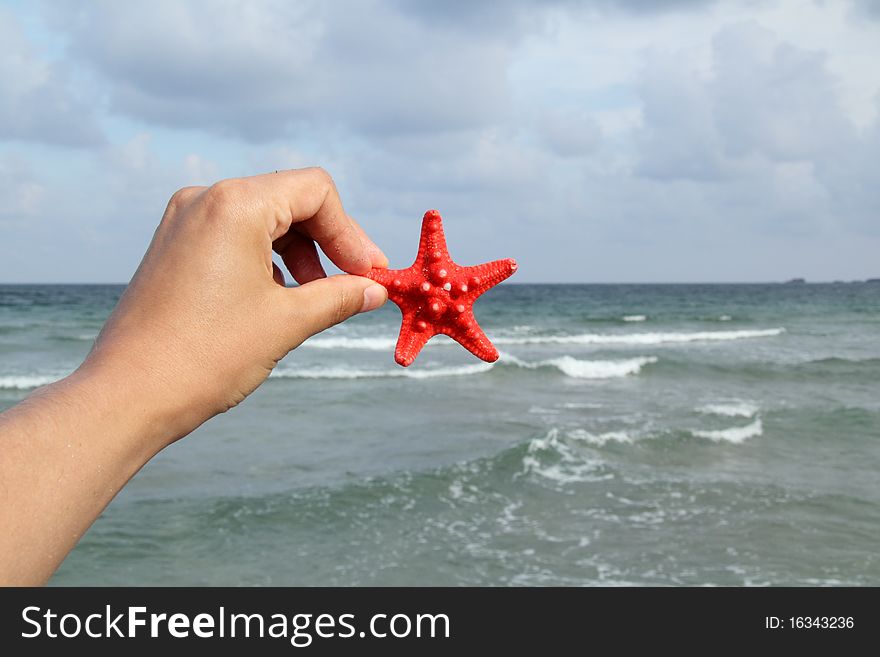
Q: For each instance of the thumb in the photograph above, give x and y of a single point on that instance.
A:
(320, 304)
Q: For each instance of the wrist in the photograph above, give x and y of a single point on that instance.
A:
(153, 393)
(116, 402)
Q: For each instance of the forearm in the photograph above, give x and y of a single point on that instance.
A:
(64, 454)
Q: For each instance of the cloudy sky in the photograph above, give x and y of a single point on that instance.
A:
(595, 141)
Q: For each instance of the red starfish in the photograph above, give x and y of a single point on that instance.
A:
(435, 295)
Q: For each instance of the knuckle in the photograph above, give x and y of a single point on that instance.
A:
(343, 305)
(226, 192)
(181, 198)
(323, 176)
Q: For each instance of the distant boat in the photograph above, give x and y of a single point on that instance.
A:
(795, 281)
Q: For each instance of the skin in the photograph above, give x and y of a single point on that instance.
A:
(203, 322)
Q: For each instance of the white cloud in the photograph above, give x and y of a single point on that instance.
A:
(274, 69)
(593, 141)
(38, 100)
(773, 98)
(23, 196)
(764, 130)
(568, 132)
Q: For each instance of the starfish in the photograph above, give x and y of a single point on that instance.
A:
(436, 295)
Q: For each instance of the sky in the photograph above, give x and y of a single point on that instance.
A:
(595, 141)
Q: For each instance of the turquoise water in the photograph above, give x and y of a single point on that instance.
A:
(630, 434)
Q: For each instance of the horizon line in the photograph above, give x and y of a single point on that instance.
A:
(796, 281)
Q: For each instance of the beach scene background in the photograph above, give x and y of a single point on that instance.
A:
(629, 435)
(689, 378)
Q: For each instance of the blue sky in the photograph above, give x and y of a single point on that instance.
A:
(612, 140)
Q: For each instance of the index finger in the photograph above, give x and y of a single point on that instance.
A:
(308, 199)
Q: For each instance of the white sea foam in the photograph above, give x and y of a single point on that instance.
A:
(571, 367)
(634, 318)
(540, 410)
(520, 328)
(26, 381)
(552, 458)
(585, 369)
(349, 373)
(730, 409)
(734, 435)
(599, 439)
(342, 342)
(595, 369)
(643, 338)
(725, 318)
(384, 344)
(461, 491)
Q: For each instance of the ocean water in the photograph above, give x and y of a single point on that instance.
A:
(629, 435)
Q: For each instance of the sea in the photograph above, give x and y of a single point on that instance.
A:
(629, 435)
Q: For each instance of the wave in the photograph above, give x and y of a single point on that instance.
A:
(588, 369)
(730, 409)
(348, 373)
(79, 337)
(634, 318)
(733, 435)
(837, 362)
(26, 381)
(552, 457)
(599, 439)
(340, 342)
(644, 338)
(571, 367)
(382, 344)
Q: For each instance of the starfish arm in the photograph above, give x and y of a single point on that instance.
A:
(488, 275)
(475, 341)
(399, 282)
(411, 340)
(384, 277)
(432, 243)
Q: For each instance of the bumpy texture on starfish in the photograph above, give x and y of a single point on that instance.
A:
(435, 295)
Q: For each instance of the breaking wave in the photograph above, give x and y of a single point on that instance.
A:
(26, 381)
(399, 373)
(570, 367)
(382, 344)
(730, 409)
(644, 338)
(588, 369)
(733, 435)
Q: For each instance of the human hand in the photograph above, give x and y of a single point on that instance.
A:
(206, 316)
(202, 323)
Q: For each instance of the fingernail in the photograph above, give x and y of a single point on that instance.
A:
(374, 296)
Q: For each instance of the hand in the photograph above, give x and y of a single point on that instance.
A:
(206, 317)
(202, 323)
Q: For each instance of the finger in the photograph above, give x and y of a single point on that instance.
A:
(308, 198)
(377, 256)
(325, 302)
(300, 257)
